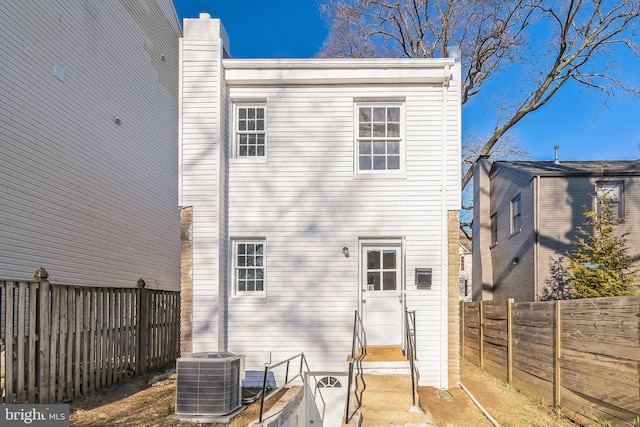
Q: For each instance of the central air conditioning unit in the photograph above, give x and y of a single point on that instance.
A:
(208, 385)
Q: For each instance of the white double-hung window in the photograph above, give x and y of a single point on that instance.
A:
(610, 194)
(249, 266)
(250, 130)
(379, 144)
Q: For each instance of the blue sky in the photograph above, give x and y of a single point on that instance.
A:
(577, 120)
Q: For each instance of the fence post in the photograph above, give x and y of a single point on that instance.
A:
(143, 327)
(481, 333)
(509, 340)
(44, 359)
(557, 378)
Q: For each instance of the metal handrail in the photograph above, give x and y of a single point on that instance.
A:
(410, 328)
(287, 381)
(359, 341)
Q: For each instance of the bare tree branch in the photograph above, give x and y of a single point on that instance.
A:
(555, 42)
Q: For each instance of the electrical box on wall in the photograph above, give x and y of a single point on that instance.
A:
(423, 278)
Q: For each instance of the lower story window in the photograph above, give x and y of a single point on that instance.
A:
(249, 267)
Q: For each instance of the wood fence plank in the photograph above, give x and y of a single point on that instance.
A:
(33, 335)
(44, 355)
(71, 312)
(77, 341)
(587, 407)
(108, 320)
(93, 351)
(21, 342)
(127, 331)
(53, 346)
(116, 334)
(100, 367)
(62, 343)
(86, 337)
(8, 341)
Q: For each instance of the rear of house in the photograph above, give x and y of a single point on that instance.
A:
(312, 189)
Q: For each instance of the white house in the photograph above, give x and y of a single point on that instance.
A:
(312, 188)
(89, 142)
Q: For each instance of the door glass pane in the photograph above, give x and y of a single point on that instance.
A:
(373, 281)
(389, 259)
(389, 283)
(373, 259)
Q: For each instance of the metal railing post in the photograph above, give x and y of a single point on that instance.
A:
(264, 390)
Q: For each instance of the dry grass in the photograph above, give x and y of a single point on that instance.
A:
(505, 404)
(133, 403)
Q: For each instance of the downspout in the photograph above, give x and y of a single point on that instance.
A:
(444, 249)
(536, 228)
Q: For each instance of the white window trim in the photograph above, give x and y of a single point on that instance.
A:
(233, 264)
(386, 173)
(234, 131)
(512, 225)
(493, 229)
(619, 203)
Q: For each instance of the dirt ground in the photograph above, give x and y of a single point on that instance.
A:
(134, 403)
(506, 405)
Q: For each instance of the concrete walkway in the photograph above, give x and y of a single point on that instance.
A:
(387, 402)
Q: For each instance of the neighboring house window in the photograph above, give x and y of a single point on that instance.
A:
(250, 130)
(610, 192)
(462, 263)
(379, 140)
(249, 267)
(516, 214)
(494, 228)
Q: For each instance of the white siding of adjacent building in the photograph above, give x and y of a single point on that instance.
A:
(91, 201)
(307, 203)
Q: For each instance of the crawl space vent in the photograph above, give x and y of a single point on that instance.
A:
(208, 384)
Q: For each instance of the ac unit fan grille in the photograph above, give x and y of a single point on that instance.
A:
(207, 386)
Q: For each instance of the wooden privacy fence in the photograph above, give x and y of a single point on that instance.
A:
(58, 342)
(582, 356)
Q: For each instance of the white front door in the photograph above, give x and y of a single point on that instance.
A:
(382, 294)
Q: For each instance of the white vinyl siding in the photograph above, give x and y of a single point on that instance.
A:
(308, 205)
(91, 201)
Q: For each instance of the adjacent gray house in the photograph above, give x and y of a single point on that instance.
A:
(526, 215)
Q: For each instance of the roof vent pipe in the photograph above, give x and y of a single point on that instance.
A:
(556, 161)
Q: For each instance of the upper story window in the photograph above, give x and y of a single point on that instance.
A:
(379, 137)
(516, 214)
(250, 130)
(249, 267)
(494, 228)
(610, 193)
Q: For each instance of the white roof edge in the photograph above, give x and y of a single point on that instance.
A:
(339, 63)
(337, 71)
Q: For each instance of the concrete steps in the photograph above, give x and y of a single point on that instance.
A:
(387, 401)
